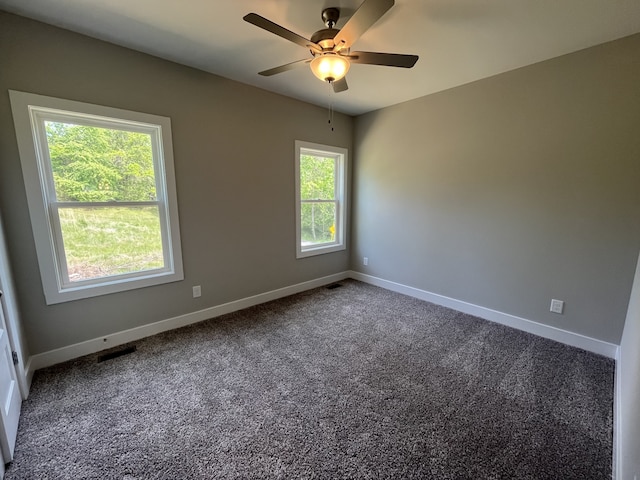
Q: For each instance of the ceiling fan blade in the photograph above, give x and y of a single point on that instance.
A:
(386, 59)
(367, 14)
(284, 68)
(269, 26)
(340, 85)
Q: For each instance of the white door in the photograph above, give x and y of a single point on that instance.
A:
(10, 398)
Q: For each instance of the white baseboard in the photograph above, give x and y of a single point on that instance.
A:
(617, 418)
(28, 375)
(563, 336)
(88, 347)
(52, 357)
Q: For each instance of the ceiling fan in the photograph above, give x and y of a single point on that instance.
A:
(330, 48)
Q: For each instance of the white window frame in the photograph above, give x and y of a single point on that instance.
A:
(341, 157)
(30, 111)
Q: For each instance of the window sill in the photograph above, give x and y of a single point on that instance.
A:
(319, 250)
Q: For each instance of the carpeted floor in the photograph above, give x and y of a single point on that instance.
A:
(352, 382)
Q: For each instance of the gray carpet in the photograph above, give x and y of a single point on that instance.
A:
(351, 382)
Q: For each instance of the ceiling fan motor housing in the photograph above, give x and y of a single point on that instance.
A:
(324, 38)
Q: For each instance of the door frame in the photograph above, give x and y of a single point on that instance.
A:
(9, 307)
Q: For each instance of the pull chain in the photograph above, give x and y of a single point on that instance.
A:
(331, 107)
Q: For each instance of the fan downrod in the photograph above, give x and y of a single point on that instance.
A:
(330, 16)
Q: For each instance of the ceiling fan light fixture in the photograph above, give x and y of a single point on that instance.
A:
(331, 48)
(330, 67)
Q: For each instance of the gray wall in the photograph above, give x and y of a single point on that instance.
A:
(234, 152)
(511, 191)
(628, 379)
(504, 193)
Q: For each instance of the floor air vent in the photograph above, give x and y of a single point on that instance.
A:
(116, 354)
(333, 285)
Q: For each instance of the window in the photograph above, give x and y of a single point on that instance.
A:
(320, 198)
(101, 192)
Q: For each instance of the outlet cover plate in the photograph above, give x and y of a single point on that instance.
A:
(557, 306)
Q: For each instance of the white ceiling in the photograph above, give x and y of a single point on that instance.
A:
(458, 41)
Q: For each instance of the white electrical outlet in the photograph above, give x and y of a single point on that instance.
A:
(365, 261)
(557, 306)
(197, 291)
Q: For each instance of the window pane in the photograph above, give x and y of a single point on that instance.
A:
(318, 221)
(317, 178)
(94, 164)
(105, 241)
